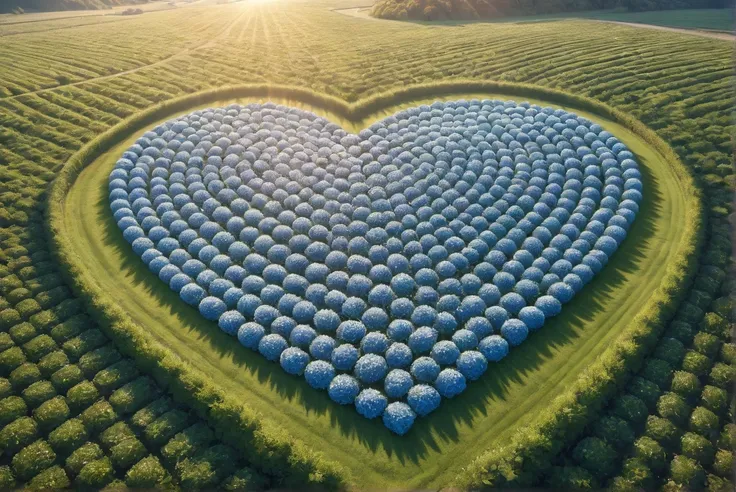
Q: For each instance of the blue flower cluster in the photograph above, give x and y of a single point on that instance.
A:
(388, 268)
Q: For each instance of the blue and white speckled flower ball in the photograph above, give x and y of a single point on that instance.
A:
(389, 268)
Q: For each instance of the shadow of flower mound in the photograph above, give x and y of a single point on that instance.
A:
(432, 242)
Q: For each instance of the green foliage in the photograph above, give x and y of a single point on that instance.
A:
(11, 408)
(38, 393)
(206, 469)
(134, 395)
(663, 431)
(681, 331)
(38, 347)
(147, 473)
(697, 447)
(704, 422)
(714, 399)
(670, 350)
(615, 431)
(110, 379)
(714, 324)
(54, 478)
(51, 413)
(707, 344)
(186, 443)
(68, 436)
(658, 371)
(24, 376)
(6, 389)
(722, 375)
(650, 452)
(27, 308)
(81, 396)
(163, 428)
(637, 473)
(5, 341)
(66, 377)
(10, 359)
(9, 318)
(69, 329)
(728, 353)
(83, 343)
(33, 459)
(696, 363)
(22, 333)
(18, 434)
(115, 434)
(630, 408)
(98, 417)
(7, 480)
(52, 363)
(87, 453)
(93, 362)
(674, 408)
(146, 415)
(246, 479)
(127, 453)
(596, 456)
(686, 384)
(724, 463)
(95, 474)
(728, 436)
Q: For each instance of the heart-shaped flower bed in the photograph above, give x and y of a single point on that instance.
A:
(388, 267)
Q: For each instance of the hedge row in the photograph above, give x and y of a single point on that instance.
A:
(268, 447)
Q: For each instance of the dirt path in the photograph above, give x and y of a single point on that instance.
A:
(362, 13)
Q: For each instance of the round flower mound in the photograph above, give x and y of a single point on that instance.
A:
(370, 403)
(399, 417)
(294, 360)
(343, 389)
(472, 364)
(397, 383)
(423, 399)
(413, 253)
(450, 383)
(371, 368)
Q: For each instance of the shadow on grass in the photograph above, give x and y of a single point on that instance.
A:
(442, 425)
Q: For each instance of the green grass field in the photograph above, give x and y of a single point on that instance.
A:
(511, 395)
(65, 82)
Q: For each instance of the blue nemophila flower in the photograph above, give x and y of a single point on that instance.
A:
(429, 250)
(398, 417)
(423, 399)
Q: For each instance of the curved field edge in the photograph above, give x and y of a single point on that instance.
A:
(261, 439)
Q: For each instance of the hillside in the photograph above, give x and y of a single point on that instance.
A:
(55, 5)
(432, 10)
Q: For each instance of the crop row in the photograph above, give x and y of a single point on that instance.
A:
(73, 410)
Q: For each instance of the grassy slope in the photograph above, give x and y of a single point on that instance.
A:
(511, 394)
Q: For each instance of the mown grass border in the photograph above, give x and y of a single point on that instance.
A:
(292, 461)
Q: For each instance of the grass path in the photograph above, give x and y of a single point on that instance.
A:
(510, 395)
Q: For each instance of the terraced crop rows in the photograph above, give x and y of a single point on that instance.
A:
(59, 88)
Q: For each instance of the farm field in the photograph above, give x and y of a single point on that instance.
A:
(70, 283)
